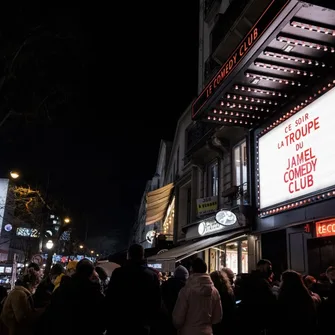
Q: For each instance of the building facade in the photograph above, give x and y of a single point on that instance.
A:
(150, 217)
(213, 212)
(256, 174)
(275, 82)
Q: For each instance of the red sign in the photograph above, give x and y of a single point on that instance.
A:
(325, 228)
(268, 16)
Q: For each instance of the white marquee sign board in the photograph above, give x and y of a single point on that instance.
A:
(297, 157)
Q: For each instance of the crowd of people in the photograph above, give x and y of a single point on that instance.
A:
(81, 299)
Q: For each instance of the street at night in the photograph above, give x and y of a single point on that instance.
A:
(167, 170)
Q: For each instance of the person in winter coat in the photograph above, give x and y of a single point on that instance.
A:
(42, 296)
(327, 308)
(18, 313)
(222, 283)
(198, 306)
(296, 311)
(257, 308)
(170, 290)
(133, 299)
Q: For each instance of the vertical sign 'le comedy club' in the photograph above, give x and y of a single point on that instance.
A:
(301, 167)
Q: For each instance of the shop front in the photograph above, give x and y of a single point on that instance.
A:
(221, 240)
(280, 84)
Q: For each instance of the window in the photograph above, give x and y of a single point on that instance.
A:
(213, 189)
(232, 257)
(240, 166)
(244, 252)
(189, 206)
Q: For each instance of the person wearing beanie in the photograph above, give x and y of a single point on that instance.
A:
(181, 273)
(170, 290)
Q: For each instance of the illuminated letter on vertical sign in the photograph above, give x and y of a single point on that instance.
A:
(325, 228)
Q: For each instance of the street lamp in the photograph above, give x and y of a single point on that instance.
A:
(92, 251)
(81, 246)
(14, 174)
(67, 220)
(49, 244)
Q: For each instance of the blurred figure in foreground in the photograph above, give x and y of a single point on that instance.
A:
(103, 277)
(133, 296)
(78, 297)
(296, 312)
(258, 301)
(310, 283)
(223, 285)
(170, 290)
(327, 308)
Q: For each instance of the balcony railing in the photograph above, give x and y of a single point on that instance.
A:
(211, 6)
(225, 21)
(237, 195)
(196, 133)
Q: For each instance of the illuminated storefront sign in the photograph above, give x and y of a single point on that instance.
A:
(27, 232)
(325, 228)
(295, 159)
(268, 16)
(222, 219)
(209, 227)
(226, 218)
(150, 236)
(207, 206)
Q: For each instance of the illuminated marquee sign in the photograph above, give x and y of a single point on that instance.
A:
(295, 158)
(268, 16)
(325, 228)
(27, 232)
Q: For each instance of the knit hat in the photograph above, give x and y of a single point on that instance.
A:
(181, 273)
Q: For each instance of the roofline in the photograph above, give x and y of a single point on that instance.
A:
(187, 109)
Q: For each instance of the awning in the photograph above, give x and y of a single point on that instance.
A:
(157, 203)
(288, 53)
(167, 259)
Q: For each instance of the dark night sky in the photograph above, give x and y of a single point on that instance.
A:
(138, 74)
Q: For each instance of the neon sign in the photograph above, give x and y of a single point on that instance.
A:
(268, 16)
(325, 228)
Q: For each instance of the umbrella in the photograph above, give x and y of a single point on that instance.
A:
(109, 267)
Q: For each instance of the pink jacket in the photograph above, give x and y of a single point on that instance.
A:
(198, 306)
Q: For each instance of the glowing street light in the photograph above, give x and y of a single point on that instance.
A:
(14, 174)
(92, 251)
(81, 246)
(49, 244)
(67, 220)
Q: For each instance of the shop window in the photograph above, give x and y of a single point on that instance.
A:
(240, 173)
(244, 252)
(232, 256)
(213, 189)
